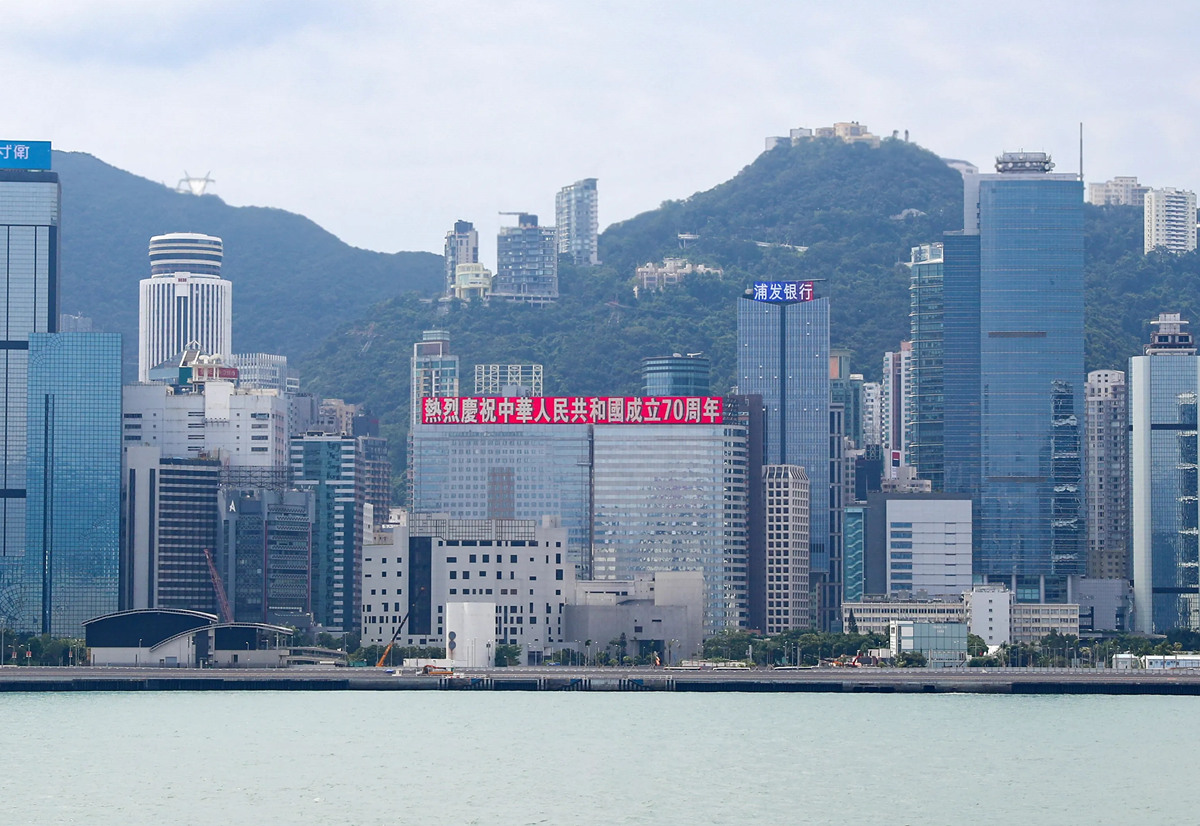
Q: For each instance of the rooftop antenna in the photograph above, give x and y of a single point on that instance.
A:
(189, 185)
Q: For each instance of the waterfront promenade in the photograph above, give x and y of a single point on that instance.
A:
(825, 680)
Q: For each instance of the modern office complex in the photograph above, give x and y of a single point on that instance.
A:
(926, 317)
(1106, 458)
(29, 215)
(1013, 373)
(526, 262)
(266, 545)
(785, 496)
(73, 476)
(329, 467)
(575, 209)
(784, 356)
(917, 543)
(1170, 220)
(640, 485)
(434, 370)
(462, 247)
(185, 303)
(1163, 387)
(676, 375)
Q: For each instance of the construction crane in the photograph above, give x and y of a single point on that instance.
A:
(219, 587)
(396, 633)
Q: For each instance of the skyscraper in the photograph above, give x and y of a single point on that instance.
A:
(575, 210)
(675, 375)
(29, 215)
(1164, 384)
(185, 301)
(462, 247)
(1170, 220)
(897, 391)
(926, 319)
(73, 472)
(526, 262)
(1106, 455)
(434, 370)
(785, 495)
(1013, 372)
(783, 356)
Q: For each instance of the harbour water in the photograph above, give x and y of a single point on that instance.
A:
(573, 758)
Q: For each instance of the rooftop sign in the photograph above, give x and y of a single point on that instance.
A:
(781, 292)
(24, 154)
(573, 410)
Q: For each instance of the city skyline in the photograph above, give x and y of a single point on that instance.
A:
(991, 69)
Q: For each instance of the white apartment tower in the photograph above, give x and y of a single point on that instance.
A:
(896, 392)
(1170, 219)
(786, 501)
(185, 301)
(1106, 462)
(462, 247)
(576, 216)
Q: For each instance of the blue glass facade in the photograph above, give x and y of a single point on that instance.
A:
(72, 531)
(29, 214)
(784, 356)
(926, 415)
(1166, 515)
(1029, 349)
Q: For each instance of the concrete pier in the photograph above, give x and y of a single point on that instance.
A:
(826, 680)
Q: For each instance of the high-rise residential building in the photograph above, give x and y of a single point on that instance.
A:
(784, 356)
(73, 476)
(872, 414)
(509, 380)
(785, 495)
(1106, 458)
(462, 247)
(29, 216)
(676, 375)
(1163, 387)
(1170, 220)
(640, 485)
(1123, 190)
(526, 262)
(330, 467)
(1013, 374)
(896, 392)
(375, 464)
(926, 317)
(576, 211)
(185, 303)
(171, 516)
(434, 370)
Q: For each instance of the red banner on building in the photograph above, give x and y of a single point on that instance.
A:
(573, 410)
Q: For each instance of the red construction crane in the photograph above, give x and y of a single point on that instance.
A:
(219, 587)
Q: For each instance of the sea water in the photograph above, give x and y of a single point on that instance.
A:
(586, 758)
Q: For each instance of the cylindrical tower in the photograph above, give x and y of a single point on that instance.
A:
(184, 300)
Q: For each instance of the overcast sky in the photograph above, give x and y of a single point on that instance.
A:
(386, 121)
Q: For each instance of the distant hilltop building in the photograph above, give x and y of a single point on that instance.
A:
(851, 132)
(963, 167)
(1170, 218)
(1124, 190)
(651, 276)
(462, 247)
(576, 211)
(526, 262)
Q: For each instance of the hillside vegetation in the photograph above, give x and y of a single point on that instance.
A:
(293, 282)
(858, 211)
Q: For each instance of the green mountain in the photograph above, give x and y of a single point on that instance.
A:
(857, 210)
(293, 281)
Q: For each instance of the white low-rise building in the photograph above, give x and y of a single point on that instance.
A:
(441, 572)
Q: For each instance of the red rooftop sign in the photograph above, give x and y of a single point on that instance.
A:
(573, 410)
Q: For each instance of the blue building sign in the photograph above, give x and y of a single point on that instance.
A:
(779, 292)
(24, 154)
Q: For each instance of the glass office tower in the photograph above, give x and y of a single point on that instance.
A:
(1029, 327)
(1163, 388)
(783, 355)
(73, 475)
(925, 415)
(29, 214)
